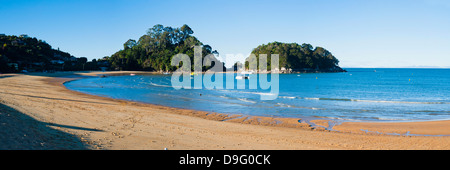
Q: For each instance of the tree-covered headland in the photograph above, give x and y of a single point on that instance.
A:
(155, 49)
(296, 58)
(29, 54)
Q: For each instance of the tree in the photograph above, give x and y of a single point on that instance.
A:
(129, 44)
(156, 31)
(207, 48)
(4, 67)
(82, 60)
(186, 30)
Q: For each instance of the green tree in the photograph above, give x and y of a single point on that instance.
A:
(129, 44)
(82, 60)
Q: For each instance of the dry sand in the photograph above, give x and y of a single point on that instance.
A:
(38, 112)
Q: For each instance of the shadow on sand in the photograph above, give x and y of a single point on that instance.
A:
(5, 76)
(51, 98)
(19, 131)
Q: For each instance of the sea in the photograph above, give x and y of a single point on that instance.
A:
(361, 94)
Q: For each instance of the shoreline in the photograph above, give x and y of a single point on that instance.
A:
(322, 124)
(326, 124)
(236, 118)
(180, 128)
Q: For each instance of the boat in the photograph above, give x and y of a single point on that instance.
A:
(132, 74)
(242, 77)
(247, 72)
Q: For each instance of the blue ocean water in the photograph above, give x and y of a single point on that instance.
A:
(361, 94)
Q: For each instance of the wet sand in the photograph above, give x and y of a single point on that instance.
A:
(53, 117)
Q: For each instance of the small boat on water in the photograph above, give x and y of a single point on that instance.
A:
(132, 74)
(242, 77)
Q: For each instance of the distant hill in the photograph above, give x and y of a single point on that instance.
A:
(154, 50)
(27, 54)
(298, 58)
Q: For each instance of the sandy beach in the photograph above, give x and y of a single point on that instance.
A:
(38, 112)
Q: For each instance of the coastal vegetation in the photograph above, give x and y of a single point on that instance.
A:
(27, 54)
(297, 58)
(155, 49)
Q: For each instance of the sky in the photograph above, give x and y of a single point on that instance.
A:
(360, 33)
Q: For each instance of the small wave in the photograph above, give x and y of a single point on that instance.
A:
(300, 107)
(406, 102)
(258, 93)
(246, 92)
(225, 97)
(359, 100)
(283, 105)
(391, 119)
(287, 97)
(246, 100)
(159, 85)
(310, 98)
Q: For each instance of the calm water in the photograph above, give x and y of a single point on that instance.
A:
(358, 95)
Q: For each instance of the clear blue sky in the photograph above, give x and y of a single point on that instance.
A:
(360, 33)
